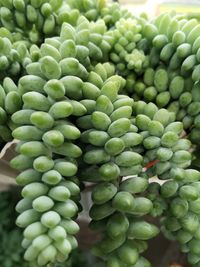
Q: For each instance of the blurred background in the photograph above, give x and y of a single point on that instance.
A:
(156, 7)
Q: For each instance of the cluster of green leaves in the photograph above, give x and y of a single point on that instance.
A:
(11, 236)
(95, 94)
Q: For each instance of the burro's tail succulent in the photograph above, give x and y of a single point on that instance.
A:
(94, 94)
